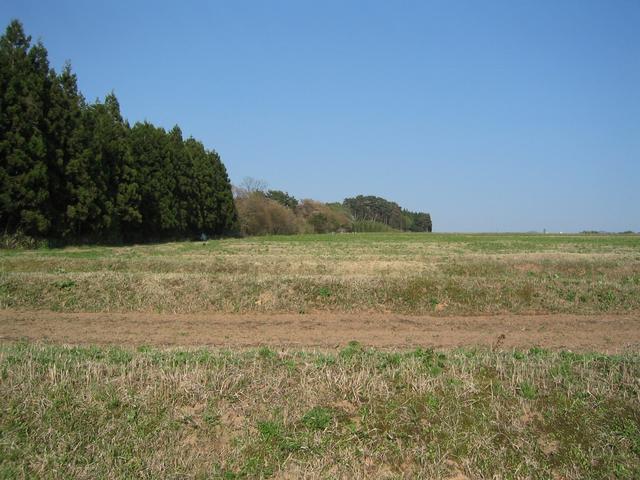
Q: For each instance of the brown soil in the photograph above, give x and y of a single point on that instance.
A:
(606, 333)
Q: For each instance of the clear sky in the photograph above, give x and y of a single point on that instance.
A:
(491, 115)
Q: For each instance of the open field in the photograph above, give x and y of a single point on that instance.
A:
(357, 413)
(385, 273)
(253, 358)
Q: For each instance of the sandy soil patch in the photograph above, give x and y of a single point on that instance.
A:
(605, 333)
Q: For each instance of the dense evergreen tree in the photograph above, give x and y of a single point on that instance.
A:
(182, 172)
(108, 155)
(211, 208)
(83, 216)
(63, 129)
(157, 202)
(416, 221)
(23, 164)
(76, 171)
(226, 219)
(377, 209)
(283, 198)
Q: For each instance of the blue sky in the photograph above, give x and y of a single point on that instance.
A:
(492, 115)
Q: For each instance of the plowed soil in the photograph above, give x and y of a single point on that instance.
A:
(605, 333)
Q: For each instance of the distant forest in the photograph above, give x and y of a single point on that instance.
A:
(262, 211)
(74, 171)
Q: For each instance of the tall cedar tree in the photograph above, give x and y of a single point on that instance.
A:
(24, 79)
(156, 192)
(63, 128)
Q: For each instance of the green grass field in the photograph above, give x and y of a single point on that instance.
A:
(117, 413)
(389, 272)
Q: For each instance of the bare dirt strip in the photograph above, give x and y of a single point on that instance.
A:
(605, 333)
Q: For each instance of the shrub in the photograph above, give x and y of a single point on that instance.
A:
(321, 218)
(260, 215)
(19, 240)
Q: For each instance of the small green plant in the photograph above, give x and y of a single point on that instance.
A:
(538, 352)
(269, 430)
(324, 360)
(118, 355)
(266, 353)
(606, 298)
(278, 440)
(527, 390)
(351, 350)
(65, 284)
(211, 417)
(519, 355)
(433, 362)
(390, 360)
(432, 401)
(324, 292)
(318, 418)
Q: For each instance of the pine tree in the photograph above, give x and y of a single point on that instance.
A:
(23, 168)
(157, 183)
(227, 216)
(205, 205)
(63, 137)
(182, 170)
(107, 157)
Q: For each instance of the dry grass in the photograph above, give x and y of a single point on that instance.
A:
(349, 413)
(353, 413)
(404, 273)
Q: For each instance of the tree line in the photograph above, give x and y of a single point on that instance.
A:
(262, 211)
(380, 210)
(77, 171)
(73, 171)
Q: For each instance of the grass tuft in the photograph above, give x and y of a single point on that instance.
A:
(318, 418)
